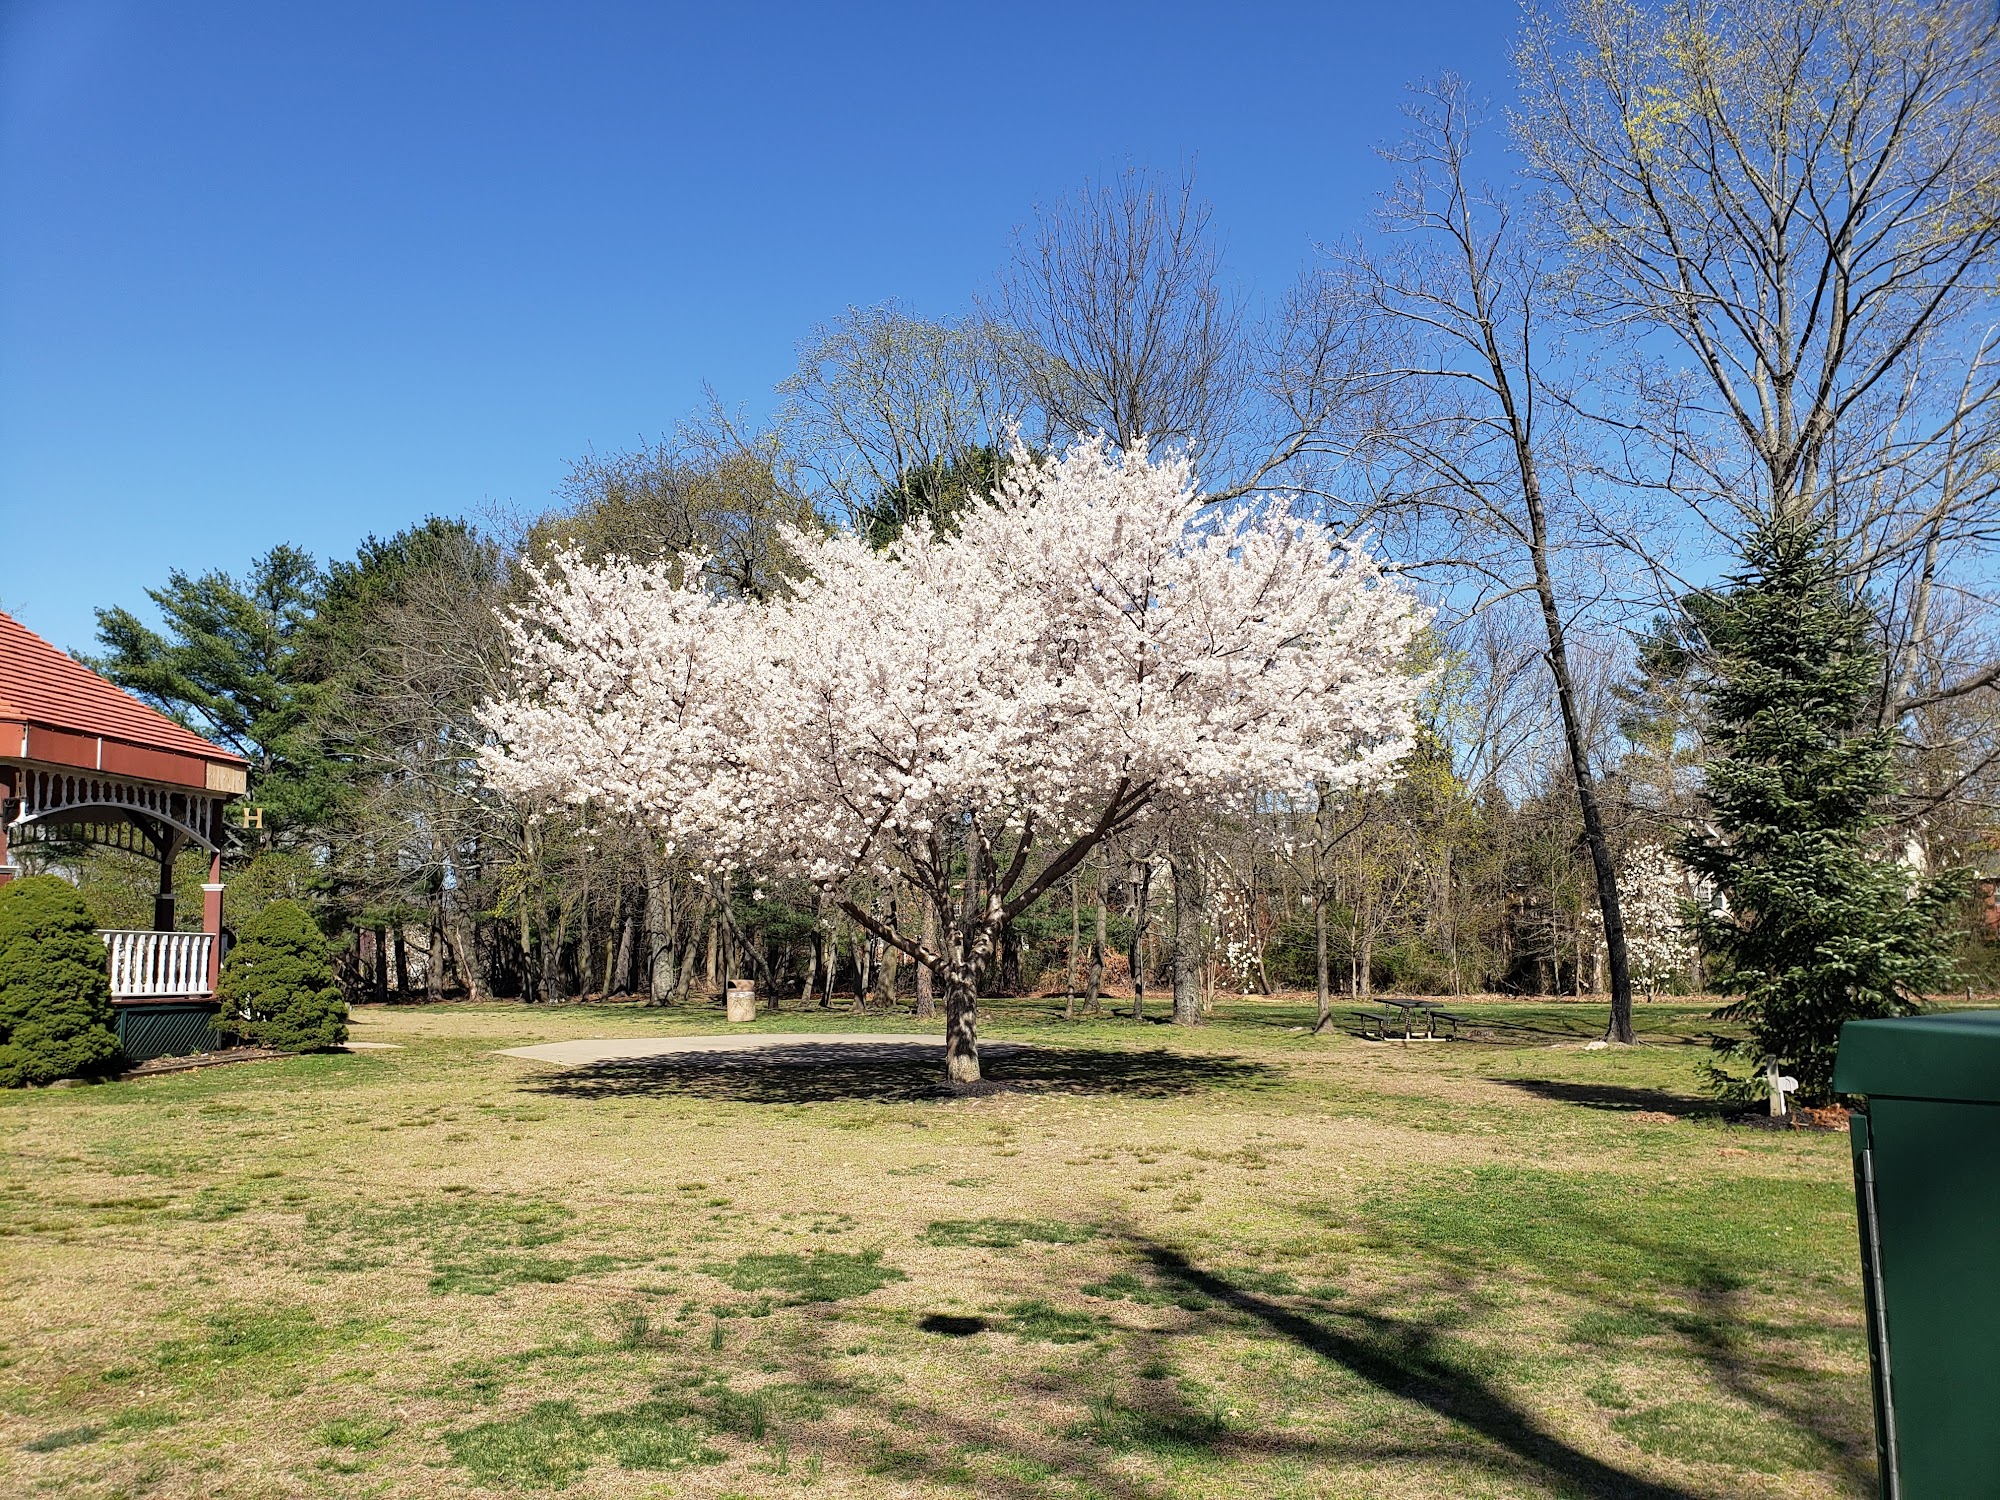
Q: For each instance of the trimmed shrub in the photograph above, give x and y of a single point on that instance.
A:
(277, 987)
(55, 985)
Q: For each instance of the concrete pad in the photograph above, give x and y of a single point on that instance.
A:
(369, 1047)
(637, 1048)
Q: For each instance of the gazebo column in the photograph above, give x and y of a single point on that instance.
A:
(211, 918)
(163, 900)
(8, 807)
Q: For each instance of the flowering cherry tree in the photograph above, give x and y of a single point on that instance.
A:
(975, 713)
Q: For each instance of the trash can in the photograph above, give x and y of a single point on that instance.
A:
(1927, 1192)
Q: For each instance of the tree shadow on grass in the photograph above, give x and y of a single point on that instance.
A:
(822, 1073)
(1411, 1359)
(1645, 1280)
(1619, 1098)
(1414, 1359)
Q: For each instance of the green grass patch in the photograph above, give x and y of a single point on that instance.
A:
(1005, 1234)
(818, 1276)
(359, 1434)
(1166, 1432)
(1582, 1230)
(487, 1274)
(1606, 1327)
(553, 1443)
(452, 1228)
(1047, 1324)
(1126, 1286)
(1705, 1433)
(233, 1335)
(146, 1419)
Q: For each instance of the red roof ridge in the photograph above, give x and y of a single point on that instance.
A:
(40, 684)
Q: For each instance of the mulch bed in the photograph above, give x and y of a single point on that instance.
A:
(1802, 1117)
(158, 1065)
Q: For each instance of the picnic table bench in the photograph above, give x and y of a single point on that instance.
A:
(1407, 1011)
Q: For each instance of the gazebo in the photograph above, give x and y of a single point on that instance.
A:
(84, 762)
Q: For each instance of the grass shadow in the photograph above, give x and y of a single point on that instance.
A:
(1411, 1358)
(822, 1073)
(1673, 1263)
(1621, 1098)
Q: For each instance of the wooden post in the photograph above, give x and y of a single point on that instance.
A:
(8, 808)
(164, 919)
(211, 918)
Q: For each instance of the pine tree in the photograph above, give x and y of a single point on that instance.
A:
(1821, 924)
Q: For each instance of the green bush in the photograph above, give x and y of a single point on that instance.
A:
(55, 985)
(277, 987)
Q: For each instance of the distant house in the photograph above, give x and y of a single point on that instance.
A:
(84, 762)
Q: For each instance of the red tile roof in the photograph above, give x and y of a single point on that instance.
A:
(41, 685)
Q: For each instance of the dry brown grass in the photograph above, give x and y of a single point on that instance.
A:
(1244, 1262)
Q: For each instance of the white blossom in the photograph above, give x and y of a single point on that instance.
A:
(1657, 941)
(1090, 648)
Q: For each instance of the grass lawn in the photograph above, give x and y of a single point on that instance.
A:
(1235, 1262)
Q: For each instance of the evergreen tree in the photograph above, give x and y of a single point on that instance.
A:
(231, 666)
(937, 492)
(1822, 925)
(277, 987)
(55, 989)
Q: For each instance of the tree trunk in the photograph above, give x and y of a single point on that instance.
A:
(1075, 941)
(1142, 878)
(683, 971)
(926, 1003)
(968, 953)
(660, 967)
(468, 959)
(434, 958)
(961, 1027)
(864, 976)
(1587, 804)
(551, 964)
(1010, 961)
(381, 965)
(810, 987)
(711, 963)
(1325, 994)
(1185, 860)
(1090, 1004)
(621, 975)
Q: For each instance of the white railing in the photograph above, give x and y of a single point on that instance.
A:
(145, 964)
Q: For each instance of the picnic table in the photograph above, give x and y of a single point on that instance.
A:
(1432, 1011)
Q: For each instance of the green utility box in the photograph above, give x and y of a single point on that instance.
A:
(1927, 1187)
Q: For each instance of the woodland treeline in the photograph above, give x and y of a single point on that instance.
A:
(1730, 269)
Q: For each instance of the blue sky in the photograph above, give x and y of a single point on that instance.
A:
(299, 273)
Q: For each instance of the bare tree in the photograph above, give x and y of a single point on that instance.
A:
(1790, 209)
(716, 489)
(885, 407)
(1467, 425)
(1118, 290)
